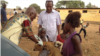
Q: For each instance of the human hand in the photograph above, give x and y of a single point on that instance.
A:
(40, 43)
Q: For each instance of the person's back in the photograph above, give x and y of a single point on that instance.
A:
(69, 46)
(14, 27)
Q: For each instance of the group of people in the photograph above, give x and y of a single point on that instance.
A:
(49, 28)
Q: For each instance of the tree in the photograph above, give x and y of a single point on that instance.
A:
(94, 6)
(70, 4)
(18, 7)
(25, 8)
(37, 7)
(82, 4)
(59, 4)
(3, 1)
(42, 10)
(89, 5)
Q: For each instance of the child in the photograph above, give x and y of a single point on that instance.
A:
(81, 22)
(72, 45)
(42, 35)
(62, 37)
(83, 28)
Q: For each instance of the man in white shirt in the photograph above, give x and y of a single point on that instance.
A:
(15, 12)
(50, 20)
(83, 29)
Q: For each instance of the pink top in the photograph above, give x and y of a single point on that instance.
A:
(49, 21)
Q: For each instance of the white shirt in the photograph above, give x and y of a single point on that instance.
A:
(84, 26)
(49, 21)
(15, 11)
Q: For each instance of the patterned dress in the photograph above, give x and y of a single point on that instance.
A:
(15, 26)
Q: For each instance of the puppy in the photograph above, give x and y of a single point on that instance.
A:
(50, 46)
(38, 48)
(53, 51)
(59, 45)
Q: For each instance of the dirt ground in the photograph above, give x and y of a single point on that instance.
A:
(90, 44)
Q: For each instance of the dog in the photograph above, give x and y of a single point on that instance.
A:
(38, 48)
(50, 46)
(59, 45)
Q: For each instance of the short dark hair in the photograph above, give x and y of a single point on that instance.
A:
(74, 19)
(49, 1)
(62, 25)
(42, 29)
(22, 11)
(14, 9)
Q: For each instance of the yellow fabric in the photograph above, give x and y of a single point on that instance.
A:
(15, 37)
(13, 32)
(81, 21)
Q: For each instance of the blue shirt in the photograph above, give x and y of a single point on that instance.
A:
(3, 13)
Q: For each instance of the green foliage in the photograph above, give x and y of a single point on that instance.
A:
(70, 4)
(3, 1)
(42, 10)
(18, 7)
(37, 7)
(89, 5)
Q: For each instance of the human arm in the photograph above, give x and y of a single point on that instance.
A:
(28, 31)
(39, 28)
(57, 38)
(76, 41)
(48, 38)
(58, 28)
(58, 22)
(24, 35)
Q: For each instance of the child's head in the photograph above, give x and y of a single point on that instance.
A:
(72, 21)
(87, 24)
(63, 27)
(42, 32)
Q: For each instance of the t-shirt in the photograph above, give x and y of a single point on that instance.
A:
(15, 12)
(3, 13)
(84, 26)
(81, 21)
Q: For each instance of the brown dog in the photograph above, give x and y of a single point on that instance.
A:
(53, 51)
(59, 45)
